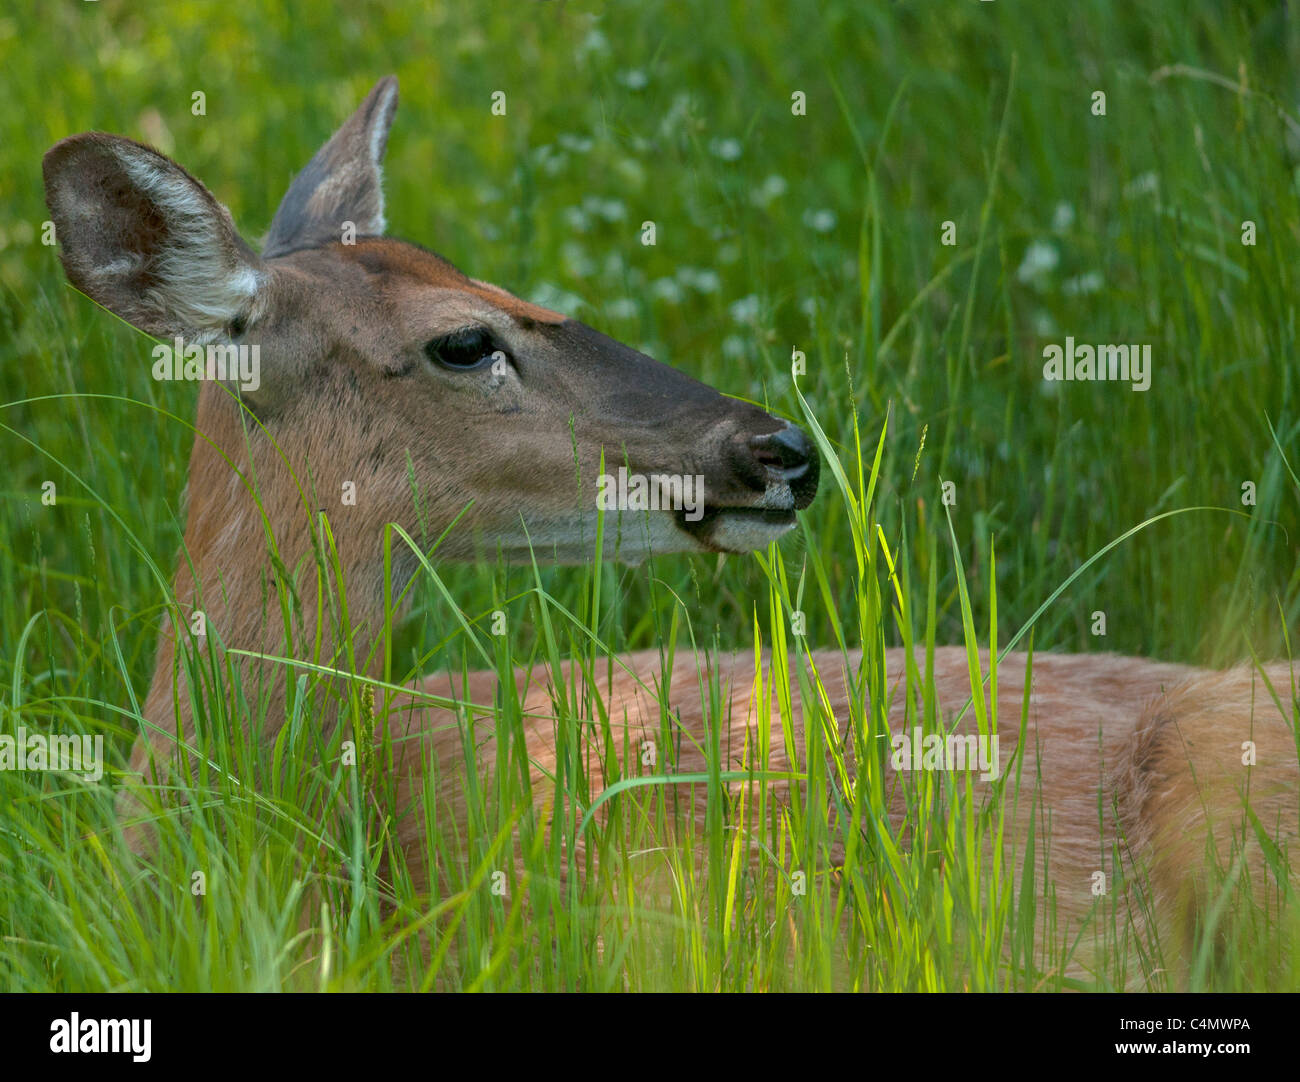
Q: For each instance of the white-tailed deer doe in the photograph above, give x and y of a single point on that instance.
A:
(382, 364)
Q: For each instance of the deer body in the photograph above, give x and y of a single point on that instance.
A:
(382, 363)
(1130, 764)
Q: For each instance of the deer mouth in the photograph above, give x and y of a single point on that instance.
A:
(780, 471)
(738, 529)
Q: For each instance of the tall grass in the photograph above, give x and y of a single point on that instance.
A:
(275, 865)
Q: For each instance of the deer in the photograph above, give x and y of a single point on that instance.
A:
(382, 362)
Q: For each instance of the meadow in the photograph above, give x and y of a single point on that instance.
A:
(914, 200)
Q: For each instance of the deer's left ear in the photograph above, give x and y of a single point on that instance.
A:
(146, 240)
(342, 183)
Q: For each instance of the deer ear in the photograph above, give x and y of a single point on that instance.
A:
(342, 183)
(145, 239)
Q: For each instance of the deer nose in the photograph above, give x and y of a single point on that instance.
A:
(788, 456)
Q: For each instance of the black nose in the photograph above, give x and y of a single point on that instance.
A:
(788, 455)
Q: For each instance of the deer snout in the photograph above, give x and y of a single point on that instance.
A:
(763, 481)
(788, 456)
(785, 458)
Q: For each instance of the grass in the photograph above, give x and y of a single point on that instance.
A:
(775, 232)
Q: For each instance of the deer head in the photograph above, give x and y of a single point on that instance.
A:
(384, 367)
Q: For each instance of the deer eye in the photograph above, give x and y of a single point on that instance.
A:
(464, 350)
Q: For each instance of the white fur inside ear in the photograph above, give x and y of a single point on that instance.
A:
(383, 119)
(380, 225)
(203, 280)
(378, 142)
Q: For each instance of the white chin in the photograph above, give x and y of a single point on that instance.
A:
(741, 532)
(631, 537)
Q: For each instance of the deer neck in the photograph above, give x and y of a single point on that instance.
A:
(254, 547)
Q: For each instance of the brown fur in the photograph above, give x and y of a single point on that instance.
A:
(393, 262)
(1131, 765)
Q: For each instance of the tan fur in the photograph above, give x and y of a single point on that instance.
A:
(398, 261)
(1130, 764)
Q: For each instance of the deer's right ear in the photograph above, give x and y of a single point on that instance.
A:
(341, 184)
(145, 239)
